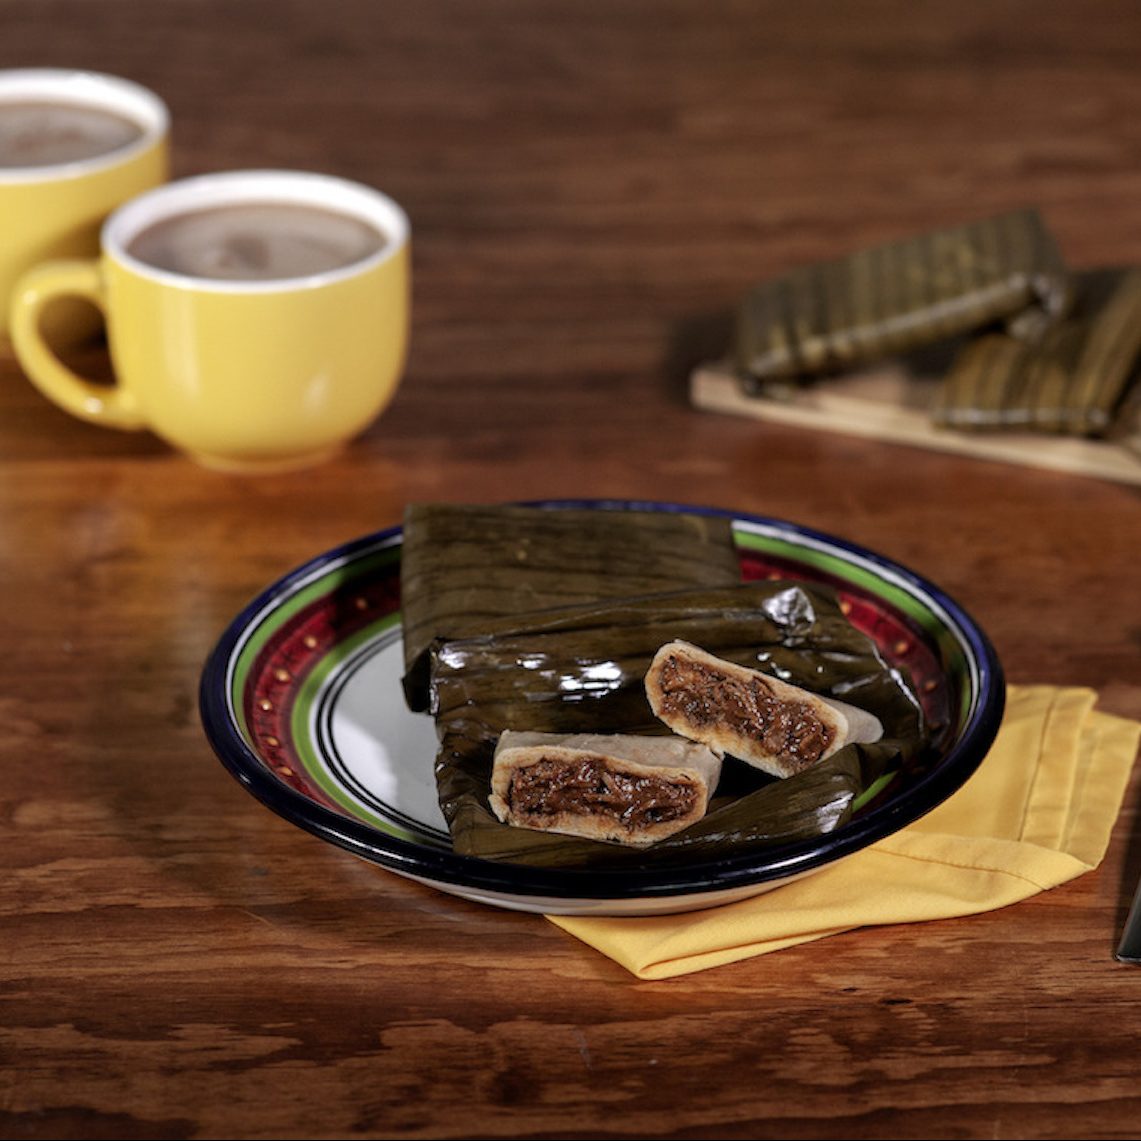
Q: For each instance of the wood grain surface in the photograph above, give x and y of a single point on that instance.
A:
(591, 188)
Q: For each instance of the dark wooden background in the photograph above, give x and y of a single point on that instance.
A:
(591, 188)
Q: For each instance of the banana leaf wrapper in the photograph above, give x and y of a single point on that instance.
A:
(1073, 382)
(899, 297)
(465, 566)
(582, 669)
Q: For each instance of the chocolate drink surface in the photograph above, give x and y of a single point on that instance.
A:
(40, 132)
(256, 241)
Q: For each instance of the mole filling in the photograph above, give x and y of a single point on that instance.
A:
(590, 786)
(704, 697)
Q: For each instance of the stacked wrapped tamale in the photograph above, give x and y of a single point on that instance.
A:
(463, 566)
(1037, 348)
(1072, 381)
(525, 621)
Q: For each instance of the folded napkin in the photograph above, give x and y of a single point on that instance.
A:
(1037, 813)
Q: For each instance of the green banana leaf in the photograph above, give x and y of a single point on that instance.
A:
(465, 565)
(1073, 382)
(900, 296)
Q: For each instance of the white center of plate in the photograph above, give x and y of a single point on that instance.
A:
(378, 753)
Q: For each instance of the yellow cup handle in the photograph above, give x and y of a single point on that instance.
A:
(111, 406)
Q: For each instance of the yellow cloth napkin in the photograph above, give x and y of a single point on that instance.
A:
(1038, 812)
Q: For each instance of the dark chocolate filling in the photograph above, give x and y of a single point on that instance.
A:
(706, 698)
(591, 786)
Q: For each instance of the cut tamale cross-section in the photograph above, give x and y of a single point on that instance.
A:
(776, 727)
(465, 566)
(618, 788)
(899, 297)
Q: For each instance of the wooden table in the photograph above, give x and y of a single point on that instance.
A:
(591, 189)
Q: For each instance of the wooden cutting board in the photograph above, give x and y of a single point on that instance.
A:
(890, 402)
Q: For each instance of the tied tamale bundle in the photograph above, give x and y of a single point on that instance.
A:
(465, 566)
(1072, 383)
(581, 670)
(899, 297)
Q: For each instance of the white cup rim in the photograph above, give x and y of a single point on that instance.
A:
(111, 92)
(293, 187)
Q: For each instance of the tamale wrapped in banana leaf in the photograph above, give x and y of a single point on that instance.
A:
(582, 668)
(463, 566)
(899, 297)
(1073, 382)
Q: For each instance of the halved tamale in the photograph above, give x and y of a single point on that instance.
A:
(742, 814)
(619, 788)
(776, 727)
(900, 296)
(464, 566)
(581, 670)
(1073, 382)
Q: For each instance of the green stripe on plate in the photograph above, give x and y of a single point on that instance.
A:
(279, 613)
(311, 757)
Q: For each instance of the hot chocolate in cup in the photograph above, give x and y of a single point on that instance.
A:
(256, 320)
(74, 145)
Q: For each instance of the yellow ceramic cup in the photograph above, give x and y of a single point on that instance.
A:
(55, 206)
(241, 375)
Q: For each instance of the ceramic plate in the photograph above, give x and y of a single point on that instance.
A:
(302, 702)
